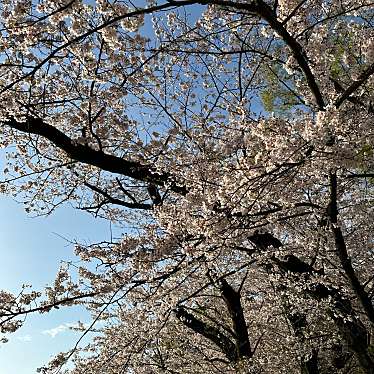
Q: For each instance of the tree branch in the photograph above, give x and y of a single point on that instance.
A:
(263, 10)
(232, 300)
(342, 253)
(351, 328)
(99, 159)
(113, 200)
(45, 308)
(257, 7)
(364, 76)
(363, 175)
(209, 332)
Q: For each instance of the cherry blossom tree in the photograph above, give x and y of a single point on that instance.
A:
(233, 141)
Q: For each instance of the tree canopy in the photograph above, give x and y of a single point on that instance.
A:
(233, 142)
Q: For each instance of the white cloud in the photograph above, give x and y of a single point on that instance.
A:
(55, 331)
(25, 338)
(61, 328)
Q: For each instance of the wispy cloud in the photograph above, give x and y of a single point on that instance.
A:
(62, 328)
(25, 338)
(55, 331)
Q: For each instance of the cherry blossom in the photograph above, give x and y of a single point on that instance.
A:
(233, 143)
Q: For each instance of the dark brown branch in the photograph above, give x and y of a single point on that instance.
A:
(298, 321)
(45, 308)
(350, 273)
(310, 365)
(297, 50)
(342, 313)
(206, 285)
(362, 175)
(154, 194)
(350, 327)
(87, 155)
(356, 336)
(126, 193)
(364, 76)
(293, 264)
(209, 332)
(233, 303)
(264, 240)
(342, 253)
(352, 99)
(113, 200)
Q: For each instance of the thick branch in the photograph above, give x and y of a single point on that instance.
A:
(87, 155)
(343, 254)
(350, 273)
(264, 240)
(293, 264)
(232, 300)
(209, 332)
(364, 76)
(310, 365)
(298, 321)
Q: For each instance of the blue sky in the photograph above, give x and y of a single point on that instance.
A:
(31, 250)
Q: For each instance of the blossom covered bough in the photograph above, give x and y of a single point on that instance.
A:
(234, 142)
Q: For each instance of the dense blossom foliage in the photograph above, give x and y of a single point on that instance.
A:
(233, 142)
